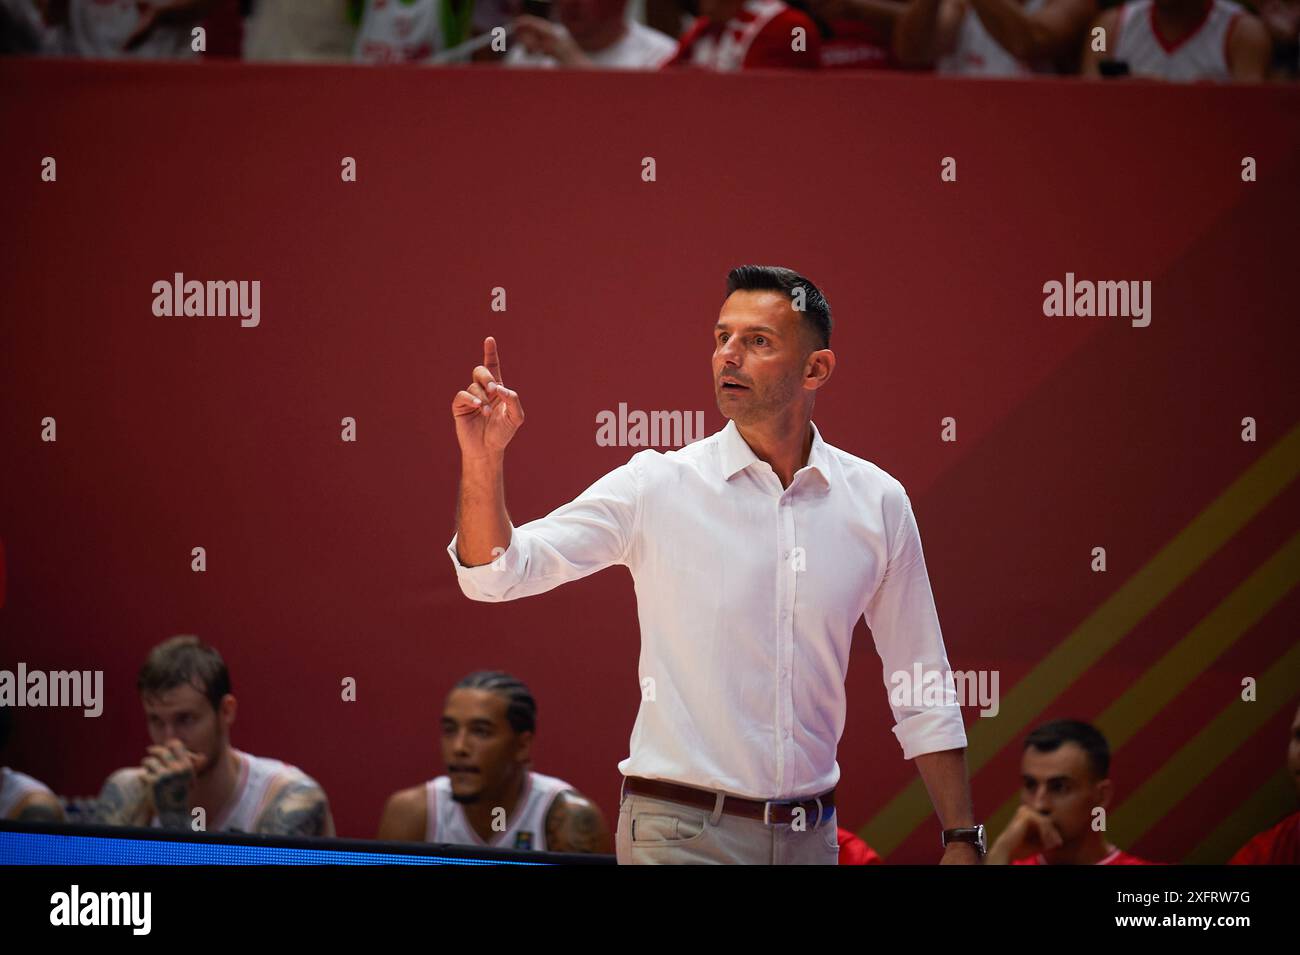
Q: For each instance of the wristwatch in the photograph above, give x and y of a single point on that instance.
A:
(974, 835)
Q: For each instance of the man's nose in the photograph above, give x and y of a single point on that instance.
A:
(730, 355)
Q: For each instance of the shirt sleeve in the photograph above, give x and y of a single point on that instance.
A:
(590, 533)
(905, 626)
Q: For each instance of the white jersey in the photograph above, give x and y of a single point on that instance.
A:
(1201, 55)
(525, 829)
(976, 53)
(641, 48)
(260, 780)
(99, 28)
(399, 31)
(15, 787)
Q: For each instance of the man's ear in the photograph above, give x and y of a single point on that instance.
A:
(1105, 791)
(819, 367)
(524, 747)
(226, 711)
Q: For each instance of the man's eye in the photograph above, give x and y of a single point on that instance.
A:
(759, 338)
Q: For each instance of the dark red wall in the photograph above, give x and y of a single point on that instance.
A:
(327, 560)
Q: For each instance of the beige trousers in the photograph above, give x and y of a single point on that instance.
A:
(662, 832)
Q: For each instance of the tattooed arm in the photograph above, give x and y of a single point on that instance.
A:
(574, 824)
(300, 809)
(124, 800)
(39, 807)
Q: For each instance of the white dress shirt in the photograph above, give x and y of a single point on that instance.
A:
(747, 595)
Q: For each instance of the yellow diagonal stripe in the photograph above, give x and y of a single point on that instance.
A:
(1275, 799)
(1166, 787)
(1219, 630)
(1105, 627)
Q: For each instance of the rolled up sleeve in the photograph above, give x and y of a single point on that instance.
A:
(905, 626)
(593, 531)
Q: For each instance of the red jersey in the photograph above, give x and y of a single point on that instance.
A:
(761, 34)
(1277, 846)
(854, 851)
(1118, 857)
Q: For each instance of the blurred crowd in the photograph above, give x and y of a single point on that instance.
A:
(1169, 40)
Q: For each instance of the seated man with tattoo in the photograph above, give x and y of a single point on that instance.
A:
(490, 797)
(191, 766)
(22, 798)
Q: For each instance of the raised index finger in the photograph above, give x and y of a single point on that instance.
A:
(491, 361)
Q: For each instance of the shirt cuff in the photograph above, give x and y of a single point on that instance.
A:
(490, 581)
(931, 731)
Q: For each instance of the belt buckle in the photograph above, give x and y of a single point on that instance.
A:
(767, 813)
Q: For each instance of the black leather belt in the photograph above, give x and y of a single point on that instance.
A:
(816, 809)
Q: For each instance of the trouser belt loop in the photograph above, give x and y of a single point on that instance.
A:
(717, 809)
(819, 813)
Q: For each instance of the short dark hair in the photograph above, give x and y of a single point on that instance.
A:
(774, 278)
(182, 660)
(1049, 736)
(521, 708)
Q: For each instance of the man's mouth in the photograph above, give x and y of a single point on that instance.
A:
(732, 386)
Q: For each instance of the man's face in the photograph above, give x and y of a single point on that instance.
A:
(185, 714)
(1060, 786)
(480, 749)
(584, 17)
(1293, 753)
(759, 341)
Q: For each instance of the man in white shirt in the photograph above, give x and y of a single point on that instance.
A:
(590, 33)
(754, 552)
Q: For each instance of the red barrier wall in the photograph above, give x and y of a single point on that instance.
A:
(327, 559)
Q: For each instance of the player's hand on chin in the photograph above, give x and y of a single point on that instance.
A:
(1028, 832)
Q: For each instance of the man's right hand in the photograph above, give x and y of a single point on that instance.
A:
(487, 414)
(1028, 832)
(169, 773)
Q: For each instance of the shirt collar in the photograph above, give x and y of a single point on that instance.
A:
(738, 455)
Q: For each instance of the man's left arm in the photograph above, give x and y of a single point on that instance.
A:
(300, 809)
(948, 783)
(905, 626)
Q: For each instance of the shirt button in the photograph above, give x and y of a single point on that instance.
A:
(787, 734)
